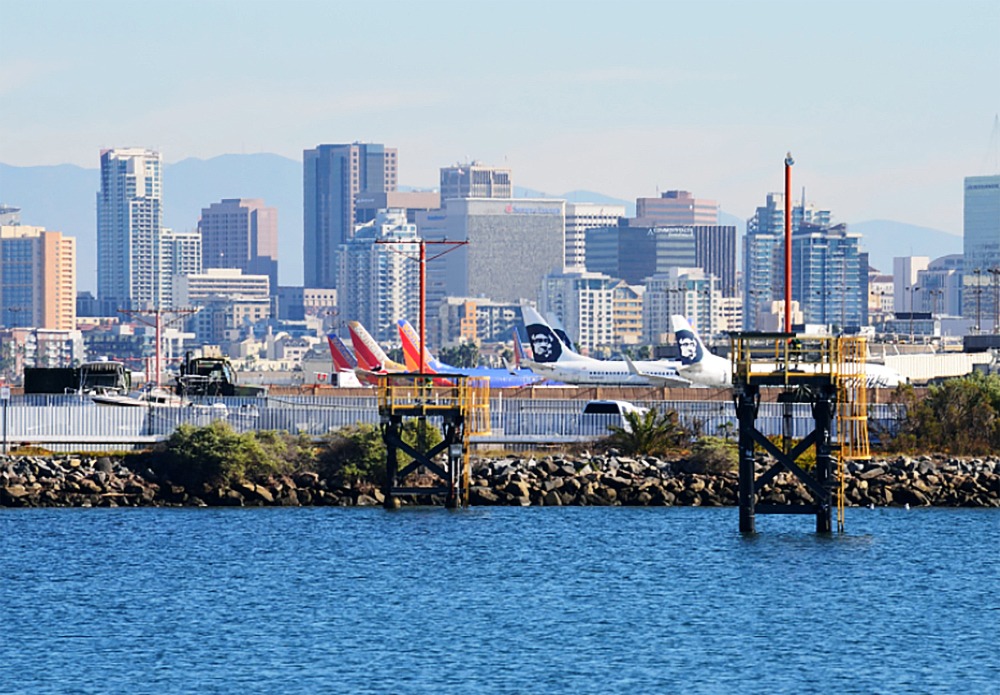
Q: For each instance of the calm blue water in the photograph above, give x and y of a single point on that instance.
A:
(498, 600)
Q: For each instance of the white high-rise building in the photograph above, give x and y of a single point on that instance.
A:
(129, 215)
(380, 283)
(181, 256)
(579, 218)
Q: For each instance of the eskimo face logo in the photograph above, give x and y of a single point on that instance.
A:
(689, 348)
(543, 344)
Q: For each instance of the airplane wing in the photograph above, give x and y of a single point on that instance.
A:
(656, 380)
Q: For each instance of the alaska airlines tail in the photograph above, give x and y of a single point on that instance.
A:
(343, 360)
(699, 364)
(545, 344)
(560, 331)
(370, 356)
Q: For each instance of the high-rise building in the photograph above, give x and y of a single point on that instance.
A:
(981, 247)
(828, 280)
(129, 214)
(475, 180)
(635, 253)
(675, 209)
(241, 233)
(511, 244)
(332, 176)
(715, 253)
(763, 253)
(379, 284)
(37, 278)
(584, 302)
(181, 256)
(579, 218)
(691, 292)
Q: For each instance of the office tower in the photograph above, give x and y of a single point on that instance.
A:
(981, 247)
(763, 253)
(38, 278)
(180, 256)
(475, 180)
(128, 230)
(691, 292)
(636, 253)
(333, 175)
(512, 244)
(584, 302)
(828, 281)
(229, 301)
(379, 284)
(367, 204)
(579, 218)
(675, 209)
(241, 233)
(715, 253)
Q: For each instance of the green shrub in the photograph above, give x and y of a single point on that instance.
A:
(217, 455)
(715, 454)
(358, 452)
(959, 417)
(647, 433)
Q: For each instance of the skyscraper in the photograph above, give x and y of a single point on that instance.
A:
(675, 209)
(332, 176)
(475, 180)
(763, 253)
(981, 236)
(128, 229)
(380, 284)
(579, 218)
(38, 282)
(241, 233)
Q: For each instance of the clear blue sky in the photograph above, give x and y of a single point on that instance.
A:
(885, 106)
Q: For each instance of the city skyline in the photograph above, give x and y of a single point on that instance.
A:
(887, 106)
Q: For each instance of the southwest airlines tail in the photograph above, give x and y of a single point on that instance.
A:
(411, 353)
(343, 359)
(371, 357)
(519, 356)
(697, 363)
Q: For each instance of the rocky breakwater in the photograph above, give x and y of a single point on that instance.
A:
(74, 481)
(615, 480)
(588, 480)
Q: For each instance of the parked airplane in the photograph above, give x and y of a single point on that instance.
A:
(552, 358)
(499, 378)
(372, 360)
(706, 369)
(344, 362)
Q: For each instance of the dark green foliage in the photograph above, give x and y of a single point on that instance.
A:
(217, 455)
(358, 452)
(959, 417)
(715, 454)
(648, 433)
(464, 355)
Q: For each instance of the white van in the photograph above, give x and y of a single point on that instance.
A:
(598, 415)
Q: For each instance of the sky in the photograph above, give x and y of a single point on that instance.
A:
(885, 105)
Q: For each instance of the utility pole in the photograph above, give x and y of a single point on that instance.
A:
(422, 260)
(788, 241)
(157, 322)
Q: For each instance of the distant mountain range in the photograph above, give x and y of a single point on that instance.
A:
(63, 198)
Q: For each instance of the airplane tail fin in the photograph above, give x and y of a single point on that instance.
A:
(518, 350)
(370, 356)
(411, 352)
(546, 346)
(691, 348)
(560, 331)
(343, 359)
